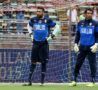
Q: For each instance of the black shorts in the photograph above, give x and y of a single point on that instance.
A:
(40, 52)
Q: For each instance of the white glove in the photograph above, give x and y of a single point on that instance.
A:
(94, 48)
(49, 39)
(31, 36)
(76, 48)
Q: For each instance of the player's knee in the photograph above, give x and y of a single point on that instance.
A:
(33, 62)
(45, 61)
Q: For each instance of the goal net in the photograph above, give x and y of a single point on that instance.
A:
(15, 53)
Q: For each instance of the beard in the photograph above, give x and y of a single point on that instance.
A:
(88, 18)
(39, 16)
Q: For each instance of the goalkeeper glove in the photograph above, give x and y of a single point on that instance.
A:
(76, 48)
(50, 37)
(94, 48)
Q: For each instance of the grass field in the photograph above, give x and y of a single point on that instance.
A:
(47, 87)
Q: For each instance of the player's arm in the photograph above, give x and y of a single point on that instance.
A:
(95, 46)
(30, 29)
(56, 30)
(96, 33)
(77, 38)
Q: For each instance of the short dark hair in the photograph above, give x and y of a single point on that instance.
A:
(88, 9)
(41, 8)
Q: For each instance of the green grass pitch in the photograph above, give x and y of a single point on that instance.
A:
(47, 87)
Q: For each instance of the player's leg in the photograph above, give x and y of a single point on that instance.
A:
(32, 68)
(43, 72)
(34, 59)
(44, 55)
(92, 63)
(80, 59)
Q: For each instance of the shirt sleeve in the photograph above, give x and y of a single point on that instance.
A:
(77, 37)
(30, 25)
(51, 23)
(31, 22)
(96, 32)
(29, 29)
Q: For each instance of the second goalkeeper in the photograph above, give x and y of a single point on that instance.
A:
(86, 43)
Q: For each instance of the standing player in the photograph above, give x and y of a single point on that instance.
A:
(87, 36)
(38, 28)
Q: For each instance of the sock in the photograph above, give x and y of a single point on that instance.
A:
(43, 71)
(32, 67)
